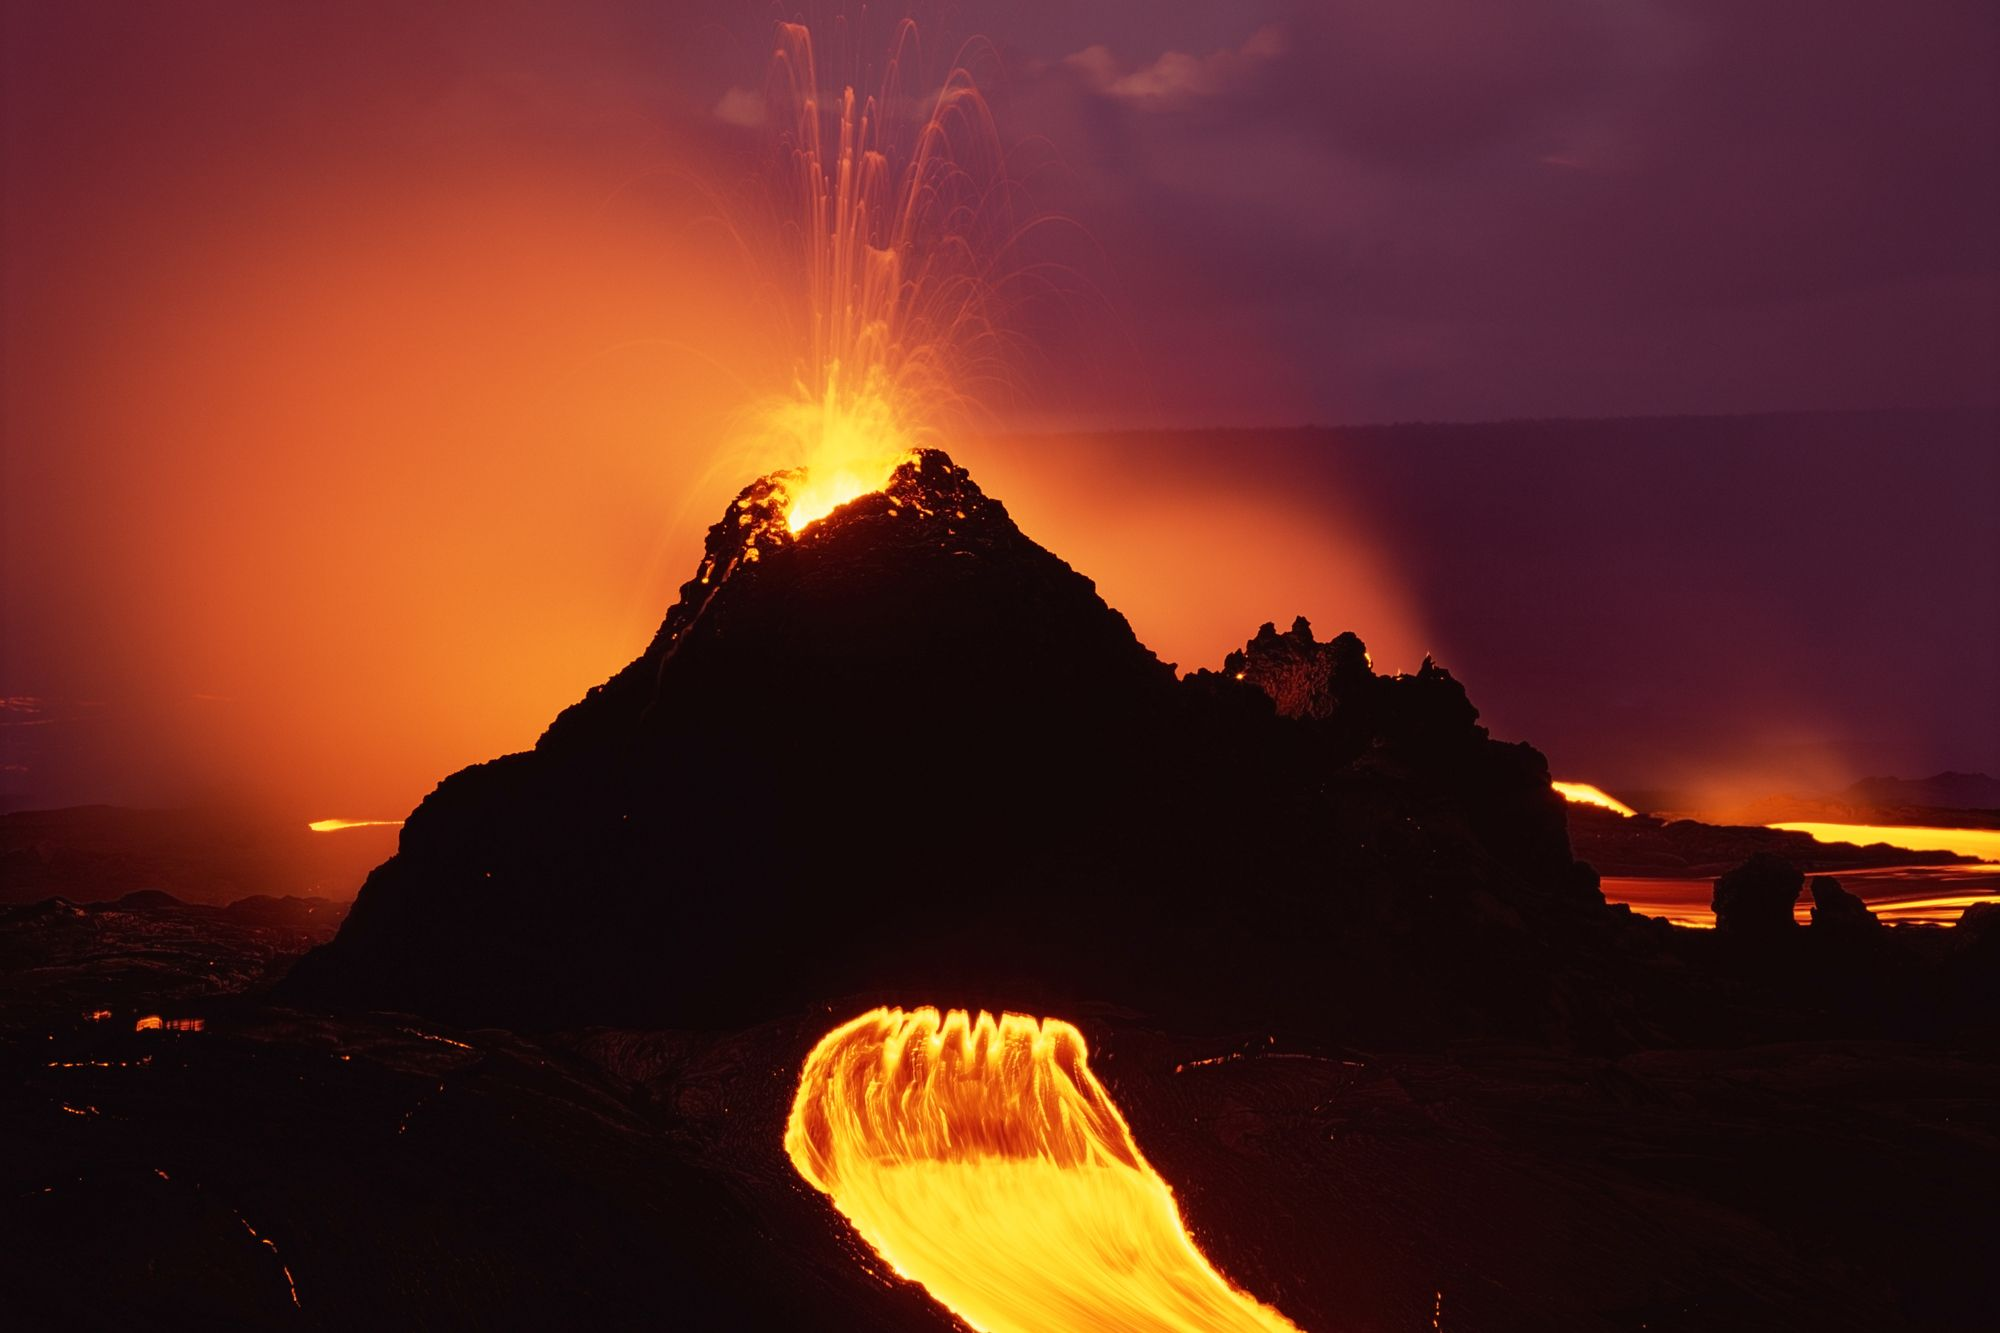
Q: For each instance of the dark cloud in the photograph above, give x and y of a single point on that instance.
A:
(1408, 201)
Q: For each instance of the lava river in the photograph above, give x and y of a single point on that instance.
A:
(982, 1158)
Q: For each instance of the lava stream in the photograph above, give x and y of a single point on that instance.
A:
(1582, 793)
(982, 1158)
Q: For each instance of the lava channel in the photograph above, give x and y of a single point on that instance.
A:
(982, 1158)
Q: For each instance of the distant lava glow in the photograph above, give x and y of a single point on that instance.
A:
(1983, 843)
(894, 237)
(1582, 793)
(982, 1158)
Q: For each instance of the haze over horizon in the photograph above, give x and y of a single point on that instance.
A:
(347, 442)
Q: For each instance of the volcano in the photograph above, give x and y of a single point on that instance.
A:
(908, 747)
(717, 1009)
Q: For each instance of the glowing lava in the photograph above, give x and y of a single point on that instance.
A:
(982, 1158)
(1983, 843)
(1582, 793)
(1937, 895)
(854, 449)
(894, 233)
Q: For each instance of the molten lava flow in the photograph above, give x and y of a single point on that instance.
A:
(1582, 793)
(982, 1158)
(1983, 843)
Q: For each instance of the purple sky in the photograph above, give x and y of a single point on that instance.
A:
(1330, 211)
(1456, 209)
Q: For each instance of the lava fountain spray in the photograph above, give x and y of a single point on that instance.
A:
(982, 1158)
(897, 243)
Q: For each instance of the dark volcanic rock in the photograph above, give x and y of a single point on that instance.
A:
(1756, 898)
(1979, 921)
(1423, 730)
(407, 1176)
(1835, 909)
(911, 748)
(1305, 678)
(1975, 960)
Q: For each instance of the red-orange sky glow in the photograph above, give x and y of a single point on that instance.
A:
(365, 411)
(370, 377)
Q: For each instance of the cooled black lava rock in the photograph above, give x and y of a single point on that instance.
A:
(1755, 899)
(1839, 912)
(1305, 678)
(909, 748)
(1975, 962)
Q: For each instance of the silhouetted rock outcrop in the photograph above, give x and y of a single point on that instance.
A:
(1975, 961)
(1422, 730)
(1305, 678)
(1979, 920)
(1839, 912)
(911, 748)
(1756, 898)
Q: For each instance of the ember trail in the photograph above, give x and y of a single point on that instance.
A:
(983, 1159)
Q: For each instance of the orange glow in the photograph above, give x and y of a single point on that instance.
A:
(1983, 843)
(542, 332)
(1584, 794)
(884, 254)
(553, 337)
(982, 1158)
(335, 825)
(1202, 544)
(1911, 895)
(154, 1023)
(851, 450)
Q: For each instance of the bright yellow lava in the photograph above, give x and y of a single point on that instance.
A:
(897, 234)
(1584, 794)
(1983, 843)
(335, 825)
(982, 1158)
(852, 447)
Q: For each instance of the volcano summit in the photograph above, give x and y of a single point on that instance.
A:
(909, 747)
(1364, 1042)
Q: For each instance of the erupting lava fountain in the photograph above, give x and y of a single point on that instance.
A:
(896, 245)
